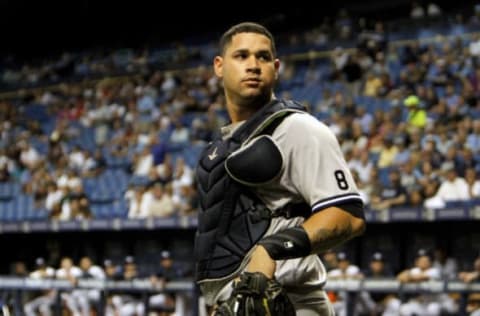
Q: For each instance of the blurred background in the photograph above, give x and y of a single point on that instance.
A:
(105, 108)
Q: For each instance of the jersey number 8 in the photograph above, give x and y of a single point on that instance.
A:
(341, 179)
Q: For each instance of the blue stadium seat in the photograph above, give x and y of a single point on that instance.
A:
(383, 175)
(9, 211)
(455, 204)
(373, 157)
(102, 210)
(6, 191)
(23, 203)
(120, 208)
(139, 180)
(191, 154)
(37, 112)
(101, 196)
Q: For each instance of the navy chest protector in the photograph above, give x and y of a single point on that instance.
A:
(231, 218)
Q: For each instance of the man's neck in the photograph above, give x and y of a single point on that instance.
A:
(238, 114)
(241, 113)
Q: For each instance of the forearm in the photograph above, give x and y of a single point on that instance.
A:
(322, 231)
(331, 227)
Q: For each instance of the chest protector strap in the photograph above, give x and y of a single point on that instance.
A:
(231, 218)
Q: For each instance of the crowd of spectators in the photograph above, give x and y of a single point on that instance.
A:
(407, 116)
(85, 301)
(426, 265)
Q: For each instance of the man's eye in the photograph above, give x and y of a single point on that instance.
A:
(241, 56)
(264, 57)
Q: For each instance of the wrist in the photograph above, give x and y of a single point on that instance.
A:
(289, 243)
(260, 261)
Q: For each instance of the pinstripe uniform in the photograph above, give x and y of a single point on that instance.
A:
(313, 171)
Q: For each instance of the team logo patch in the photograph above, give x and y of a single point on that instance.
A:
(214, 154)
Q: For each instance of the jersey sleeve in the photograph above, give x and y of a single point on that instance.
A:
(314, 163)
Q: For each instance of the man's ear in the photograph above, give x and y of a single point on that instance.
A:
(277, 68)
(218, 66)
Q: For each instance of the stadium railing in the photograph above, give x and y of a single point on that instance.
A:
(187, 286)
(458, 211)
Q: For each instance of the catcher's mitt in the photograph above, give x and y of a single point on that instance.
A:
(256, 295)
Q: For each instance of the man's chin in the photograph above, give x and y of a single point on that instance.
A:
(254, 93)
(255, 99)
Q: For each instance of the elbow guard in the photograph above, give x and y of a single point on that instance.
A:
(287, 244)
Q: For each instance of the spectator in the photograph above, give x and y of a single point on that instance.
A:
(352, 72)
(330, 260)
(473, 139)
(453, 188)
(69, 272)
(439, 73)
(180, 133)
(416, 197)
(447, 265)
(134, 198)
(424, 304)
(392, 194)
(473, 275)
(128, 304)
(344, 271)
(80, 204)
(417, 12)
(372, 85)
(473, 183)
(44, 299)
(378, 303)
(182, 175)
(473, 304)
(417, 117)
(86, 297)
(7, 166)
(362, 187)
(53, 199)
(433, 10)
(187, 201)
(143, 162)
(169, 270)
(156, 202)
(96, 163)
(388, 152)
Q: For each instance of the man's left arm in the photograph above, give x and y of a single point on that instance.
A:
(326, 229)
(331, 227)
(319, 173)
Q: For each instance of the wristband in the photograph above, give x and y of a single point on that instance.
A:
(289, 243)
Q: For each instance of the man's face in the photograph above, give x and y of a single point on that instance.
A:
(343, 264)
(423, 262)
(377, 266)
(248, 68)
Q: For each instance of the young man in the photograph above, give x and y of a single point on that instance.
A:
(274, 163)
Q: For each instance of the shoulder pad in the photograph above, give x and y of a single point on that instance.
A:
(257, 163)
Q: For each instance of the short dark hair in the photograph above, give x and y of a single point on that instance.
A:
(245, 27)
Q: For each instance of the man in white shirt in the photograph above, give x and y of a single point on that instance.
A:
(45, 299)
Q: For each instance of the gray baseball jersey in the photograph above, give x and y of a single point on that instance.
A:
(313, 171)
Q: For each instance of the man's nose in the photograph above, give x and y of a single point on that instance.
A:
(253, 64)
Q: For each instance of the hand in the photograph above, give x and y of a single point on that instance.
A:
(255, 294)
(468, 277)
(404, 276)
(260, 261)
